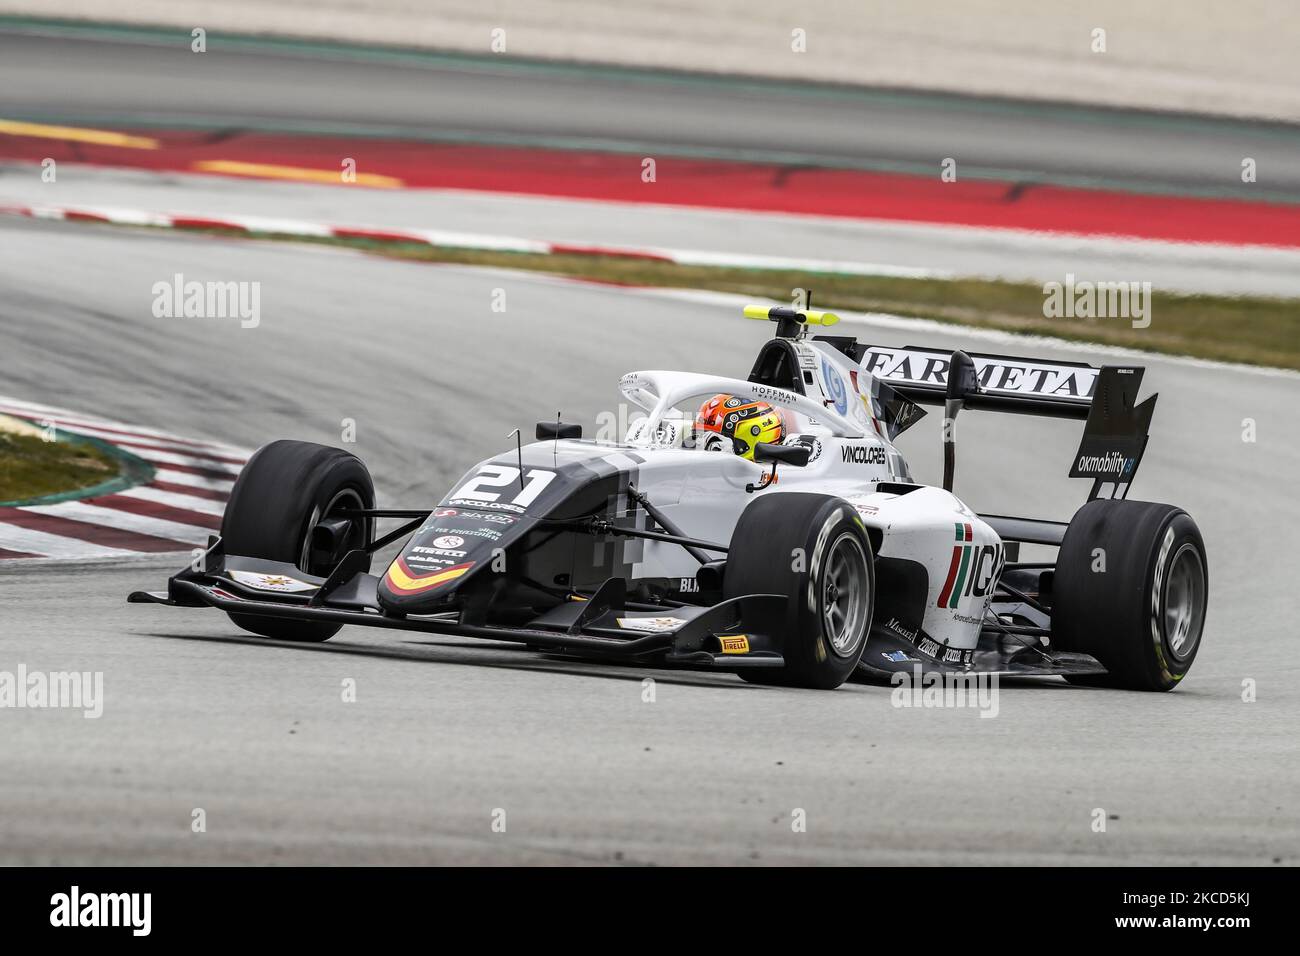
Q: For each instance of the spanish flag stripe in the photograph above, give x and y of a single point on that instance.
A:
(400, 578)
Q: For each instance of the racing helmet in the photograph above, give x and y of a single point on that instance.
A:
(731, 423)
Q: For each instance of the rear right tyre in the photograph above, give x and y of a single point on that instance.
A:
(1131, 588)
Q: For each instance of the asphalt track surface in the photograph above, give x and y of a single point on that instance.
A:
(445, 731)
(258, 85)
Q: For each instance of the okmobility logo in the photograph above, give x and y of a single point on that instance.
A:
(38, 690)
(1111, 463)
(75, 909)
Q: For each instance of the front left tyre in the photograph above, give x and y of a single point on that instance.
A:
(813, 549)
(287, 506)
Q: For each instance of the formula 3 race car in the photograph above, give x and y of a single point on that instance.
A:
(695, 541)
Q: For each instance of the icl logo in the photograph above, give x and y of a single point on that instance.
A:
(973, 570)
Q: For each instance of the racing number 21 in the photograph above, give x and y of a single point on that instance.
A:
(500, 476)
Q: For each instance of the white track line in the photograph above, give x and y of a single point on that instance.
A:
(123, 520)
(188, 502)
(193, 481)
(15, 538)
(172, 458)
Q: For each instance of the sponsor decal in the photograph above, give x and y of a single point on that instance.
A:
(769, 394)
(269, 582)
(445, 512)
(1008, 376)
(401, 578)
(734, 643)
(442, 552)
(482, 516)
(929, 646)
(836, 393)
(973, 571)
(811, 442)
(448, 541)
(945, 654)
(908, 634)
(864, 454)
(492, 534)
(1109, 464)
(897, 657)
(867, 413)
(688, 586)
(653, 624)
(504, 506)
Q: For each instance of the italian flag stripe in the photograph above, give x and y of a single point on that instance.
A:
(961, 576)
(952, 576)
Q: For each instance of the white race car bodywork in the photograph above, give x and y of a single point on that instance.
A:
(851, 457)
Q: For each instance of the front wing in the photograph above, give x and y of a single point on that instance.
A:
(724, 636)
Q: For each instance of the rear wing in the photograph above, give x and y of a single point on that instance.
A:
(1105, 398)
(1006, 383)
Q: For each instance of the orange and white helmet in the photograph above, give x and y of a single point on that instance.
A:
(731, 423)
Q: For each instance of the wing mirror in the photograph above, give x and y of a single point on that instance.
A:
(796, 455)
(764, 452)
(557, 430)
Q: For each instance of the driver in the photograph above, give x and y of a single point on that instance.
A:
(730, 423)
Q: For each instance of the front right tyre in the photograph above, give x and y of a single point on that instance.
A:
(813, 549)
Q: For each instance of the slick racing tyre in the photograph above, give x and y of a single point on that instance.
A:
(814, 549)
(284, 507)
(1130, 588)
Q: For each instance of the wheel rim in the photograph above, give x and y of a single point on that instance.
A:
(844, 595)
(348, 533)
(1184, 602)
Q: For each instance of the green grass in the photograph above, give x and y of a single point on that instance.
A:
(31, 467)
